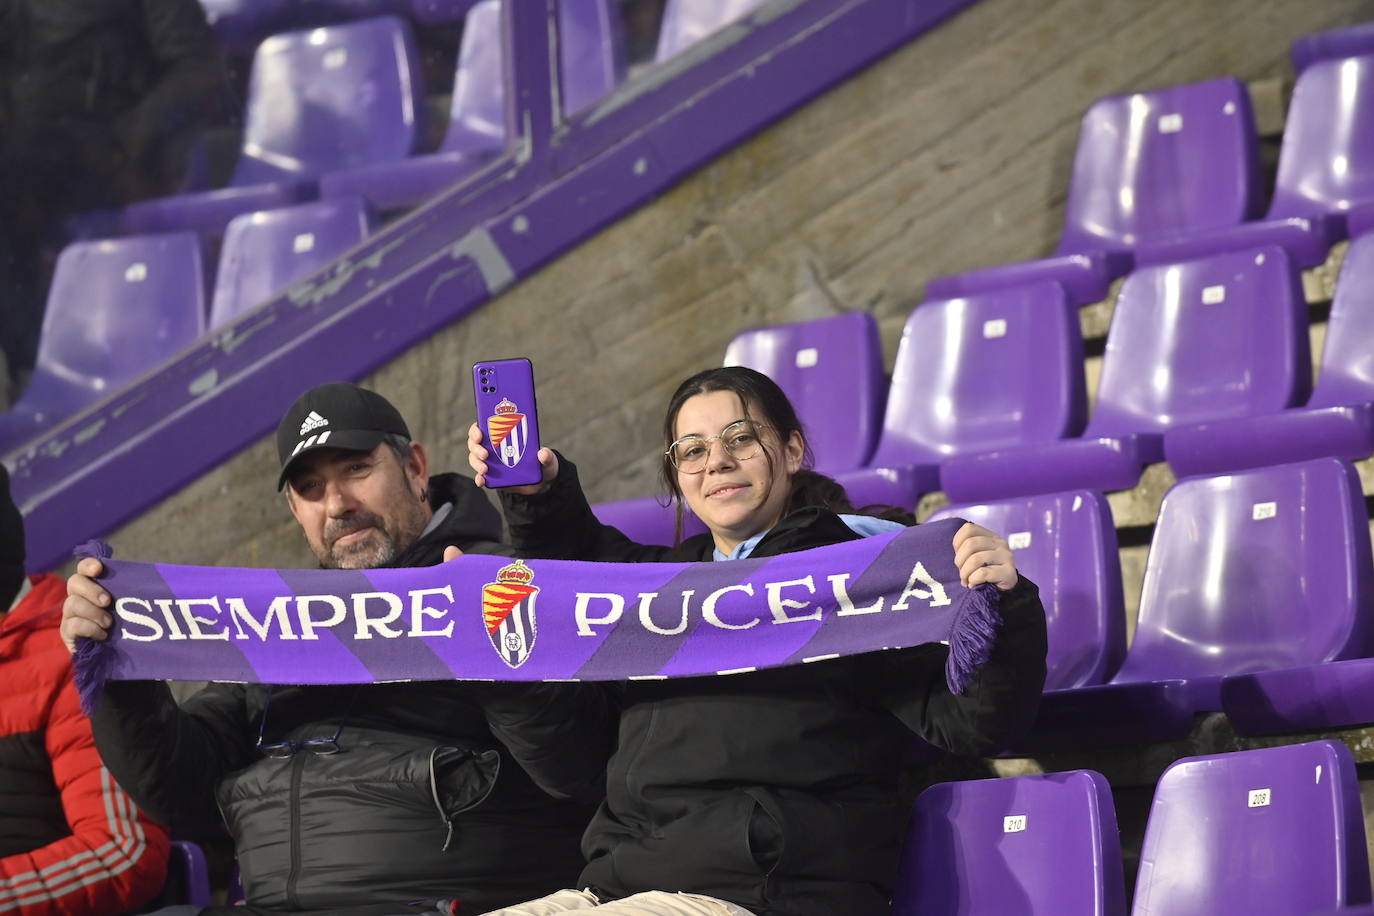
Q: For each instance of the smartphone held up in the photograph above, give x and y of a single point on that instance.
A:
(506, 413)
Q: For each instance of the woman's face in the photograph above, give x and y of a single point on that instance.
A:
(736, 498)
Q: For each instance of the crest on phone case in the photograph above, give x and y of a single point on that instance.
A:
(508, 612)
(508, 429)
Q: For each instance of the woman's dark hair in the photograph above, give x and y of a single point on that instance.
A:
(756, 392)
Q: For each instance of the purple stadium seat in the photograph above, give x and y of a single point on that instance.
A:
(1066, 544)
(1351, 41)
(1027, 845)
(591, 51)
(1276, 830)
(990, 371)
(1265, 569)
(1217, 338)
(1149, 166)
(832, 371)
(188, 858)
(1339, 417)
(646, 520)
(476, 129)
(324, 12)
(318, 101)
(241, 24)
(685, 22)
(1324, 189)
(116, 310)
(438, 12)
(265, 252)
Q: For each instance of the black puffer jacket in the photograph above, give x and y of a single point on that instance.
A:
(777, 789)
(421, 802)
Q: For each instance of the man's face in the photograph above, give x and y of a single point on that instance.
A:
(359, 509)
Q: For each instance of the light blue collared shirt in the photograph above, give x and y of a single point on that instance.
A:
(865, 525)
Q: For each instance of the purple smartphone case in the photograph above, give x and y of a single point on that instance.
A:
(509, 421)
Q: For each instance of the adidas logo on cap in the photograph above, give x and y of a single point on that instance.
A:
(313, 421)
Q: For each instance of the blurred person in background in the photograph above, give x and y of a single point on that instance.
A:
(99, 102)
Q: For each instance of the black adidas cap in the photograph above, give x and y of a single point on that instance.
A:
(336, 415)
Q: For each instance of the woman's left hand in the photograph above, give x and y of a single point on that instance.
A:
(983, 556)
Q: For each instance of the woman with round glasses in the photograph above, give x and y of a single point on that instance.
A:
(772, 792)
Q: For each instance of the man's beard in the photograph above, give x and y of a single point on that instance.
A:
(379, 548)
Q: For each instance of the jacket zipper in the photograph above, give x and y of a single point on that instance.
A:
(438, 805)
(297, 766)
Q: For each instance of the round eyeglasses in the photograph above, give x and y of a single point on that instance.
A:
(740, 440)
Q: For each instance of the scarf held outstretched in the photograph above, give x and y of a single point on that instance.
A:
(491, 618)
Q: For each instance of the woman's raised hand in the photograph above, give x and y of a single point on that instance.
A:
(477, 460)
(983, 556)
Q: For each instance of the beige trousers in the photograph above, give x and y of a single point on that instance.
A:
(651, 903)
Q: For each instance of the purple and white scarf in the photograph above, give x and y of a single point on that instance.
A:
(492, 618)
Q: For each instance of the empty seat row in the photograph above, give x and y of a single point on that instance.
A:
(1276, 830)
(1174, 173)
(1256, 602)
(337, 111)
(1207, 365)
(120, 307)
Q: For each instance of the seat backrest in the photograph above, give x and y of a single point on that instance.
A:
(327, 99)
(591, 51)
(116, 309)
(1275, 830)
(1326, 162)
(1266, 568)
(1349, 41)
(994, 370)
(1066, 543)
(1154, 164)
(1220, 337)
(1027, 844)
(1347, 364)
(685, 22)
(477, 114)
(646, 520)
(265, 252)
(831, 369)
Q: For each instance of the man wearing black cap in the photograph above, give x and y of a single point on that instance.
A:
(360, 799)
(70, 840)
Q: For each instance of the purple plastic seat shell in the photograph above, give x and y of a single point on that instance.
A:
(1275, 830)
(685, 22)
(646, 520)
(1329, 695)
(116, 309)
(1026, 844)
(1216, 338)
(1294, 595)
(476, 131)
(591, 52)
(1150, 167)
(1326, 163)
(189, 858)
(319, 100)
(265, 252)
(1338, 419)
(831, 369)
(983, 372)
(1066, 543)
(1348, 41)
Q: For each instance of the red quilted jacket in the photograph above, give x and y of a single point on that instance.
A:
(71, 841)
